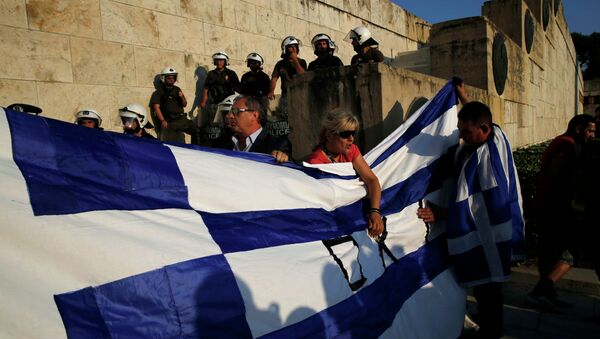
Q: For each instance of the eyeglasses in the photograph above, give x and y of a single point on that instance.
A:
(237, 111)
(346, 134)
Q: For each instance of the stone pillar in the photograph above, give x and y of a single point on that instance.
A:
(356, 89)
(462, 48)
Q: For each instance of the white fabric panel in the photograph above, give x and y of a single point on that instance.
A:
(503, 149)
(436, 310)
(487, 179)
(280, 290)
(22, 298)
(418, 153)
(256, 186)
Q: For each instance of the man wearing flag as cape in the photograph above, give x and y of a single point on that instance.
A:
(484, 218)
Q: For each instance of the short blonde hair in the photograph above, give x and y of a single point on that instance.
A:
(337, 121)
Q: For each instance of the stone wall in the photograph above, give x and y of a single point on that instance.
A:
(543, 84)
(65, 55)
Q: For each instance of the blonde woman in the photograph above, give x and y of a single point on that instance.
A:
(336, 144)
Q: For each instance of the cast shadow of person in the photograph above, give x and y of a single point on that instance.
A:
(200, 75)
(250, 318)
(157, 83)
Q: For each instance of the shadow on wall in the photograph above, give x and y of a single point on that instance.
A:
(200, 75)
(395, 117)
(417, 103)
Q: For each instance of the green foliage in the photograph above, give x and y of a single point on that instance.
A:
(528, 161)
(588, 53)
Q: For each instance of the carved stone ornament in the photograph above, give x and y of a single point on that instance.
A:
(529, 30)
(499, 63)
(546, 14)
(556, 6)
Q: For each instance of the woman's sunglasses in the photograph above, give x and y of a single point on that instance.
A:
(346, 134)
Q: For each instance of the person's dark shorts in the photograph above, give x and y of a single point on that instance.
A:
(556, 243)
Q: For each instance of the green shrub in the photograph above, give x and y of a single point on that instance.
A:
(528, 161)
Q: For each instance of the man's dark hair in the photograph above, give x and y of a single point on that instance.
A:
(581, 120)
(476, 112)
(256, 104)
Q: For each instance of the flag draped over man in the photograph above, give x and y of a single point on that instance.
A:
(105, 235)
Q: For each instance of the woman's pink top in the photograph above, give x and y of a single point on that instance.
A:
(319, 157)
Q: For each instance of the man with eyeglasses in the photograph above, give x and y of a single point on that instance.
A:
(249, 114)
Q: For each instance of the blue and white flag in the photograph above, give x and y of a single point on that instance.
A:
(104, 235)
(485, 221)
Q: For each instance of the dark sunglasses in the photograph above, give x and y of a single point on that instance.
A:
(237, 111)
(346, 134)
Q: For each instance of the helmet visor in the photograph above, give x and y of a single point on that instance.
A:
(351, 36)
(129, 122)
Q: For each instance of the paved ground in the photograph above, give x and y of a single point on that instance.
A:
(523, 321)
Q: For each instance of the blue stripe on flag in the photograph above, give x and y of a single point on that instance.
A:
(194, 299)
(498, 209)
(460, 220)
(397, 197)
(72, 169)
(81, 315)
(472, 175)
(444, 100)
(471, 265)
(243, 231)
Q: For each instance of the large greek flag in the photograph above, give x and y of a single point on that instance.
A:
(108, 236)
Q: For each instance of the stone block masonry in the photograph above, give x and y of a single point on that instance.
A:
(67, 55)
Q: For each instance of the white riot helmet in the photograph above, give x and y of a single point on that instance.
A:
(323, 36)
(133, 112)
(223, 108)
(333, 45)
(290, 40)
(88, 114)
(362, 35)
(221, 56)
(168, 71)
(256, 57)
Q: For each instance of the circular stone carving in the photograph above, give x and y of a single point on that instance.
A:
(556, 6)
(499, 63)
(546, 14)
(529, 31)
